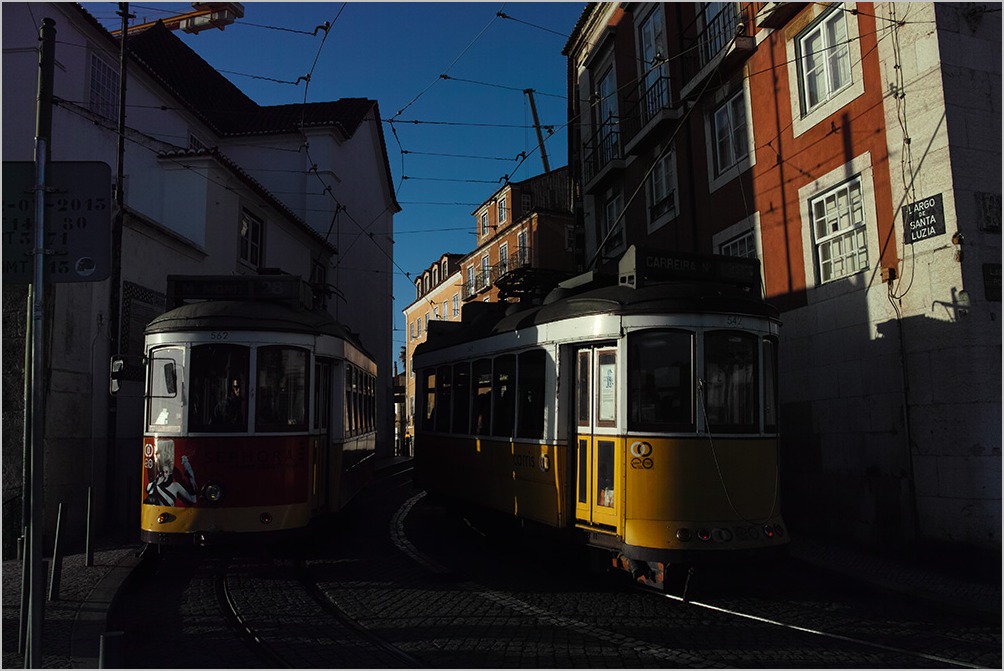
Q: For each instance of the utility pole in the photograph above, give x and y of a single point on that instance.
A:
(536, 125)
(43, 133)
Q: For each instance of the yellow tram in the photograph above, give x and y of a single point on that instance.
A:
(638, 412)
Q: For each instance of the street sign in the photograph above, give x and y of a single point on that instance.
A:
(78, 206)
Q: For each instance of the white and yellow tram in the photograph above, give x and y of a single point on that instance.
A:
(640, 412)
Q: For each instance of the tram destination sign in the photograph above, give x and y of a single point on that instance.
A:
(78, 205)
(924, 219)
(652, 264)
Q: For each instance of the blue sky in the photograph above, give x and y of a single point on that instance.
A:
(395, 53)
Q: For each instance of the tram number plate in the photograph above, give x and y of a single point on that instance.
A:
(734, 321)
(219, 335)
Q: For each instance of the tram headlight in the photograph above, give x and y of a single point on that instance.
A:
(213, 492)
(683, 535)
(704, 534)
(768, 530)
(265, 518)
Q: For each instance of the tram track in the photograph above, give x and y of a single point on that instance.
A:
(298, 626)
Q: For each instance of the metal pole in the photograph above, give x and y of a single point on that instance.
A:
(57, 558)
(536, 125)
(43, 131)
(89, 539)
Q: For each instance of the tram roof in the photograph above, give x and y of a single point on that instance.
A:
(601, 296)
(244, 315)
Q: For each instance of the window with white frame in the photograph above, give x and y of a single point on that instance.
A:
(824, 59)
(484, 223)
(103, 96)
(839, 231)
(743, 245)
(435, 275)
(456, 305)
(503, 210)
(411, 330)
(526, 200)
(731, 141)
(661, 189)
(250, 230)
(471, 288)
(503, 257)
(486, 268)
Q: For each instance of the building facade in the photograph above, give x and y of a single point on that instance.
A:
(855, 150)
(438, 292)
(212, 183)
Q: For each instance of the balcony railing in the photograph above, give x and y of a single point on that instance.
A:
(518, 259)
(482, 281)
(602, 149)
(712, 32)
(651, 99)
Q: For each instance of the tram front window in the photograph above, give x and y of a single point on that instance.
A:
(165, 395)
(660, 365)
(219, 388)
(282, 384)
(730, 384)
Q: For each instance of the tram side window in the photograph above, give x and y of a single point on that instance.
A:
(281, 401)
(219, 388)
(504, 392)
(429, 407)
(482, 397)
(730, 384)
(444, 393)
(166, 394)
(530, 389)
(770, 398)
(660, 380)
(350, 395)
(462, 398)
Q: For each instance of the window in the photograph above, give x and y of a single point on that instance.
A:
(165, 391)
(607, 118)
(770, 397)
(824, 59)
(526, 201)
(281, 401)
(435, 276)
(484, 223)
(730, 138)
(503, 258)
(662, 191)
(530, 411)
(606, 388)
(838, 226)
(718, 26)
(411, 330)
(612, 225)
(471, 288)
(502, 210)
(482, 397)
(456, 305)
(462, 398)
(419, 328)
(219, 393)
(322, 395)
(444, 390)
(522, 249)
(743, 246)
(504, 395)
(103, 97)
(730, 381)
(418, 288)
(660, 381)
(250, 239)
(485, 272)
(429, 396)
(655, 71)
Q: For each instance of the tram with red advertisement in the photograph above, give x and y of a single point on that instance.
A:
(259, 411)
(636, 413)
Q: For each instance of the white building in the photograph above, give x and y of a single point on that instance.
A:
(213, 183)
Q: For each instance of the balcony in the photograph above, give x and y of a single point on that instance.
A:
(603, 156)
(652, 108)
(482, 282)
(519, 259)
(721, 41)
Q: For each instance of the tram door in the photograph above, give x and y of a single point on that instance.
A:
(596, 396)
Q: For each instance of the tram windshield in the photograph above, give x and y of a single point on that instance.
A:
(281, 402)
(219, 388)
(730, 384)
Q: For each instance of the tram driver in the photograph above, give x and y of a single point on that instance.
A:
(230, 411)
